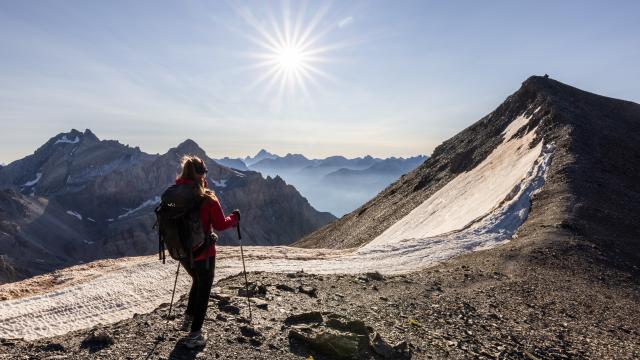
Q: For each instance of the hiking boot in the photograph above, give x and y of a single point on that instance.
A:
(195, 339)
(186, 323)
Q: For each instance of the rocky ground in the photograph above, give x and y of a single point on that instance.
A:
(562, 304)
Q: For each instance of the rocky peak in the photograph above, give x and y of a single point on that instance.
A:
(189, 147)
(263, 152)
(291, 156)
(261, 155)
(88, 135)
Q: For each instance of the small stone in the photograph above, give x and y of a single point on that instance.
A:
(255, 342)
(96, 341)
(284, 287)
(231, 309)
(376, 276)
(260, 304)
(249, 331)
(53, 347)
(309, 290)
(222, 299)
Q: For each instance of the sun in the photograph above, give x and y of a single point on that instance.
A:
(292, 50)
(290, 58)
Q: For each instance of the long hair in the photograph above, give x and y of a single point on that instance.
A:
(192, 165)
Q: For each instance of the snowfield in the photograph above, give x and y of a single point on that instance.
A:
(473, 194)
(478, 209)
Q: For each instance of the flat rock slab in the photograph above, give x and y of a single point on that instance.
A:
(304, 318)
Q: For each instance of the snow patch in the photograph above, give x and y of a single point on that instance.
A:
(473, 194)
(73, 213)
(107, 298)
(64, 140)
(220, 184)
(34, 181)
(150, 202)
(90, 219)
(514, 126)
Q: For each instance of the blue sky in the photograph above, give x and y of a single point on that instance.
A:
(395, 78)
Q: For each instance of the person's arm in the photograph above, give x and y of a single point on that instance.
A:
(219, 221)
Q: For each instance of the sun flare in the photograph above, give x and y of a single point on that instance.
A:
(292, 50)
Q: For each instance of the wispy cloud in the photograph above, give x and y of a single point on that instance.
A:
(345, 22)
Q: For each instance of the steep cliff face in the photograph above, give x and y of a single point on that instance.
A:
(89, 199)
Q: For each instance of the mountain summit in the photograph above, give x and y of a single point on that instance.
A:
(591, 185)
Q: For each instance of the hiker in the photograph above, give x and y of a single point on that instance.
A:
(201, 269)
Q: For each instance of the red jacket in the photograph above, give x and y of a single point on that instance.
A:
(211, 217)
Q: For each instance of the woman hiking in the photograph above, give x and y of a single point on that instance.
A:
(202, 269)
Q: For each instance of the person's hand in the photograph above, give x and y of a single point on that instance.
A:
(236, 212)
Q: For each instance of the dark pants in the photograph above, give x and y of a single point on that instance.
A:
(202, 280)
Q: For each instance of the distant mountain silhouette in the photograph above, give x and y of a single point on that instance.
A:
(335, 184)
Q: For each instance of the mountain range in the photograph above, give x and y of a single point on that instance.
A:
(335, 184)
(517, 239)
(78, 198)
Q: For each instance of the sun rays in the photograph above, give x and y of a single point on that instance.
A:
(293, 50)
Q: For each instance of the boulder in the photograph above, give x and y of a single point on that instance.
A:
(304, 318)
(353, 326)
(333, 344)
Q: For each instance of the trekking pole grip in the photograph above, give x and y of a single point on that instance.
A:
(238, 227)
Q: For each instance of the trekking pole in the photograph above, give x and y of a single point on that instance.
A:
(174, 291)
(244, 269)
